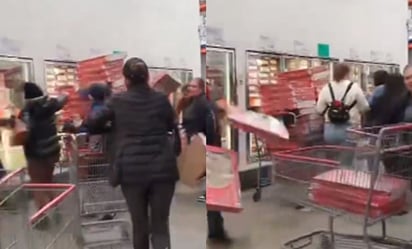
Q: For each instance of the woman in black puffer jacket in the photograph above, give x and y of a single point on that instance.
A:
(42, 147)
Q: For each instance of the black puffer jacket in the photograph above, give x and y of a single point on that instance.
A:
(39, 114)
(141, 120)
(201, 117)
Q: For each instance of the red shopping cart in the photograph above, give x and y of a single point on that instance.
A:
(348, 180)
(55, 225)
(89, 169)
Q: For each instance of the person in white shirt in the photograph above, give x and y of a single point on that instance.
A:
(342, 102)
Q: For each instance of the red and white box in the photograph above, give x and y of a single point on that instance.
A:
(165, 83)
(348, 190)
(222, 182)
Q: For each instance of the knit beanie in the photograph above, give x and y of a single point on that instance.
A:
(99, 91)
(32, 90)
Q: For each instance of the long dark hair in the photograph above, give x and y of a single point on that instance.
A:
(394, 99)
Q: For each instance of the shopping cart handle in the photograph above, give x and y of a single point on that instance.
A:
(69, 188)
(10, 176)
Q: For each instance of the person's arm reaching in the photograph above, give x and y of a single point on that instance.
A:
(361, 101)
(322, 103)
(100, 119)
(56, 104)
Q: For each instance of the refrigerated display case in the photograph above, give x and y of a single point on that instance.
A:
(59, 75)
(362, 72)
(293, 62)
(13, 72)
(357, 73)
(221, 77)
(261, 68)
(296, 63)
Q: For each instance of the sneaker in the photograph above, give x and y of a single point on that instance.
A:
(402, 213)
(201, 199)
(108, 216)
(43, 224)
(220, 239)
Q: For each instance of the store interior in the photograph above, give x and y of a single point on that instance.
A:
(221, 75)
(262, 68)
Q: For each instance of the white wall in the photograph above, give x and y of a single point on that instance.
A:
(163, 32)
(369, 30)
(360, 26)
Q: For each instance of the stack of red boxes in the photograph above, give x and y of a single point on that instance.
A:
(294, 90)
(348, 190)
(76, 106)
(101, 69)
(320, 77)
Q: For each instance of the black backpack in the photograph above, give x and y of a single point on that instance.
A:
(338, 111)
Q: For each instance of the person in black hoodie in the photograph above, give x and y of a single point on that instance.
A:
(42, 147)
(200, 117)
(145, 156)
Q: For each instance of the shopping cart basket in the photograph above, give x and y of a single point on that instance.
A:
(305, 129)
(89, 170)
(12, 213)
(347, 181)
(91, 175)
(54, 226)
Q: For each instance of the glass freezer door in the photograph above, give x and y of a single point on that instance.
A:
(13, 72)
(262, 68)
(220, 75)
(60, 75)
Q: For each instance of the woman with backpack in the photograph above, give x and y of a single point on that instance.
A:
(342, 103)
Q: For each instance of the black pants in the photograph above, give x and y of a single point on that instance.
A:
(215, 225)
(154, 198)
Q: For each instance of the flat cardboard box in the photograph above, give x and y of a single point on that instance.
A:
(192, 162)
(165, 83)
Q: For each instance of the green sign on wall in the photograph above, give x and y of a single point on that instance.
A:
(323, 50)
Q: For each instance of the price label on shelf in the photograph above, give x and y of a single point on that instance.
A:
(9, 46)
(215, 36)
(62, 53)
(374, 55)
(299, 47)
(266, 43)
(353, 54)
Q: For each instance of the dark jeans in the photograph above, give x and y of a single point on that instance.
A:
(41, 171)
(215, 224)
(153, 198)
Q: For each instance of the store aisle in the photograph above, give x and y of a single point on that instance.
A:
(188, 220)
(270, 223)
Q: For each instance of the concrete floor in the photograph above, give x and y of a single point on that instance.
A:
(271, 222)
(262, 225)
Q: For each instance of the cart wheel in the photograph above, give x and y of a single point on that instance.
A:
(325, 242)
(257, 195)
